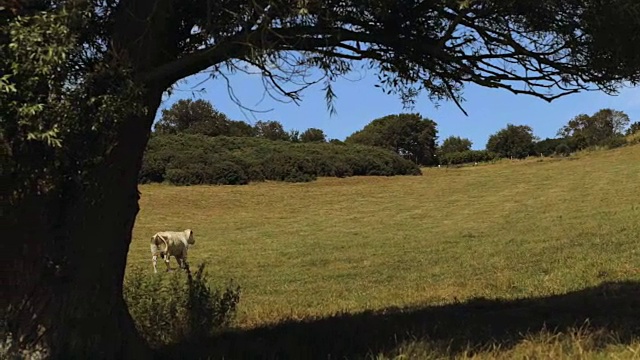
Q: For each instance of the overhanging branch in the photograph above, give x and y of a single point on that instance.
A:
(467, 49)
(300, 39)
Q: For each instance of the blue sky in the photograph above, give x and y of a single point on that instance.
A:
(359, 102)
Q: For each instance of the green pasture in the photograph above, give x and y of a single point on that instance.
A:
(491, 257)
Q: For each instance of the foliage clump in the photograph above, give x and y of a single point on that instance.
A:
(186, 159)
(603, 128)
(409, 135)
(469, 156)
(175, 307)
(514, 141)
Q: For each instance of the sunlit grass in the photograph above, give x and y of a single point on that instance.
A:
(510, 230)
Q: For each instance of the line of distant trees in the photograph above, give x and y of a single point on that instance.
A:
(193, 143)
(605, 128)
(200, 117)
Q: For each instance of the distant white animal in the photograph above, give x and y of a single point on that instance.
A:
(171, 243)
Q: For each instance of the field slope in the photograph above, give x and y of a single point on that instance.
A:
(549, 242)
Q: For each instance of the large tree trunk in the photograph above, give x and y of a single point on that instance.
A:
(66, 281)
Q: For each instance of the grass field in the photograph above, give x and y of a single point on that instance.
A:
(536, 258)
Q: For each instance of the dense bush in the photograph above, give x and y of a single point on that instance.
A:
(469, 156)
(174, 307)
(218, 173)
(614, 142)
(563, 150)
(633, 138)
(549, 146)
(187, 159)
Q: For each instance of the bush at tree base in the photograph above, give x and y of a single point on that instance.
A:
(187, 159)
(178, 306)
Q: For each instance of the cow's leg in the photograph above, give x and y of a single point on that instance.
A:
(185, 266)
(154, 259)
(166, 261)
(179, 260)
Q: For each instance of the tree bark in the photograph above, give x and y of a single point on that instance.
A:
(68, 276)
(64, 284)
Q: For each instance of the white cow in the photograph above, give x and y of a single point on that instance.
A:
(171, 243)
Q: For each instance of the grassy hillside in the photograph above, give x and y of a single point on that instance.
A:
(548, 242)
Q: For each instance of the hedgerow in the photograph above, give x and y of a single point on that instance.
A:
(187, 159)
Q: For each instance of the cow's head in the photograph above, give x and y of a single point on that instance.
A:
(190, 239)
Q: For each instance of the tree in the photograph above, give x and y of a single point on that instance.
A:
(313, 135)
(188, 116)
(548, 146)
(633, 128)
(271, 130)
(584, 131)
(409, 135)
(199, 117)
(82, 81)
(513, 141)
(454, 144)
(294, 136)
(240, 129)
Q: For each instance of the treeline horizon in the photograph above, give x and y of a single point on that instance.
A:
(193, 143)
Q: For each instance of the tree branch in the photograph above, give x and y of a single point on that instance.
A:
(300, 38)
(466, 48)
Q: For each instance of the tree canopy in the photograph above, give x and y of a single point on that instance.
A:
(444, 44)
(271, 130)
(84, 79)
(313, 135)
(454, 144)
(513, 141)
(409, 135)
(199, 117)
(584, 131)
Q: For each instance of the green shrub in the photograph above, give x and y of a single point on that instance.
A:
(289, 167)
(563, 150)
(548, 146)
(177, 306)
(614, 142)
(187, 159)
(465, 157)
(226, 173)
(217, 173)
(152, 170)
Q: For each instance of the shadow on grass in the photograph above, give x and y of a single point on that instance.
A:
(450, 328)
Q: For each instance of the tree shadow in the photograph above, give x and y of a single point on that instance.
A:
(613, 306)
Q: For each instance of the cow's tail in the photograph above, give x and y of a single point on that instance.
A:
(156, 245)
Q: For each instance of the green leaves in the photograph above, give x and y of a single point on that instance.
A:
(409, 135)
(186, 159)
(584, 131)
(454, 144)
(5, 84)
(513, 141)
